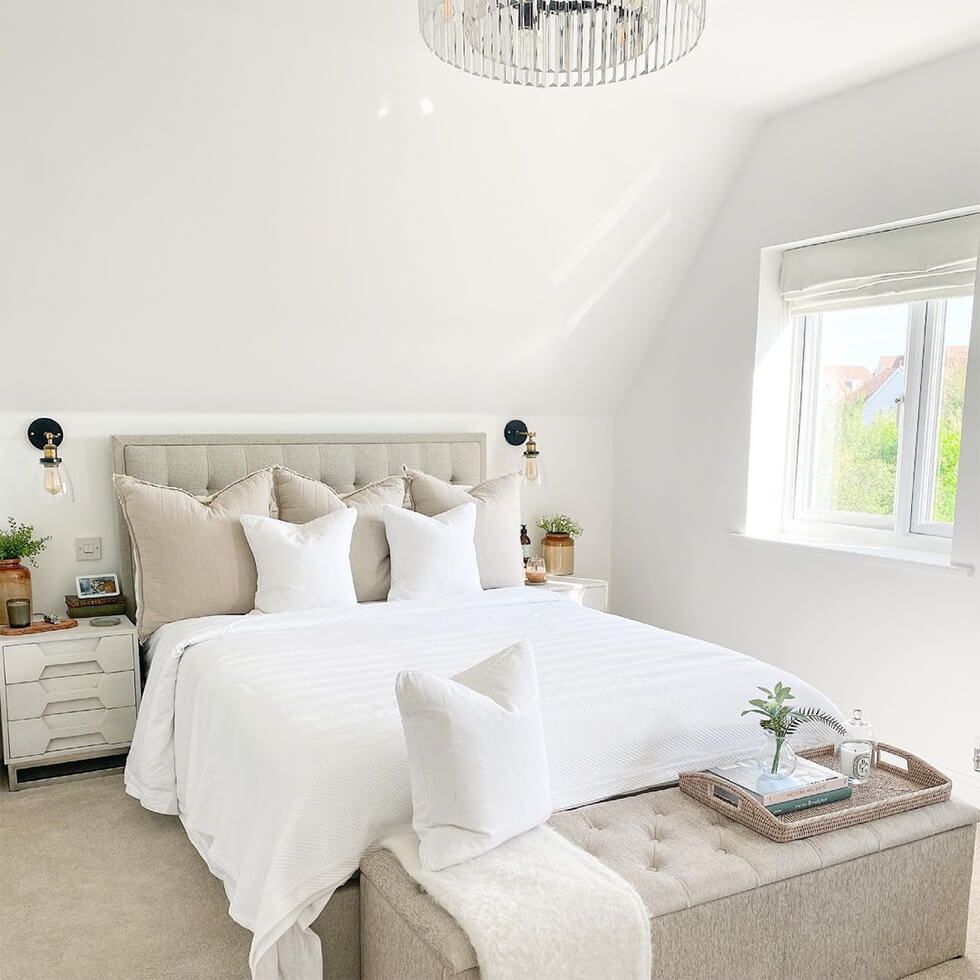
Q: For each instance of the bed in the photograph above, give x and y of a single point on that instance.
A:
(277, 740)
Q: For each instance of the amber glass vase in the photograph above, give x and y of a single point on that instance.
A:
(558, 551)
(15, 583)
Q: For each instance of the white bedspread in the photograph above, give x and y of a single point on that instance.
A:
(277, 738)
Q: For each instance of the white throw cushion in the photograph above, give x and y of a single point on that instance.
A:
(302, 566)
(498, 521)
(476, 756)
(432, 556)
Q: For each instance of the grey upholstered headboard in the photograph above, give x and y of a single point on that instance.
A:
(202, 464)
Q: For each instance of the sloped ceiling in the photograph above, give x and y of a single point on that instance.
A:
(247, 205)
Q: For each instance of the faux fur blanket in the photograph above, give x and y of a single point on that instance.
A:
(538, 906)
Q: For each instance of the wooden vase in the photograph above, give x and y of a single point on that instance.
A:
(15, 583)
(558, 551)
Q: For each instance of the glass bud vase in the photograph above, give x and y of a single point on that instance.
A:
(776, 756)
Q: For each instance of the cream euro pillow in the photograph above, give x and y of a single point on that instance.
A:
(476, 756)
(431, 556)
(302, 566)
(302, 499)
(190, 555)
(498, 521)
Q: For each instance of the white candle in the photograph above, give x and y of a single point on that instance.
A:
(855, 760)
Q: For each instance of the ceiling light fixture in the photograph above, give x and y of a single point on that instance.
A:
(564, 43)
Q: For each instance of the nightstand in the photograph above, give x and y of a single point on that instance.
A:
(67, 697)
(590, 592)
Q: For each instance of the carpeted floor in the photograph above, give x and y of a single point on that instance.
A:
(93, 887)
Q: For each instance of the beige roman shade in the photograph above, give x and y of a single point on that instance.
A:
(924, 261)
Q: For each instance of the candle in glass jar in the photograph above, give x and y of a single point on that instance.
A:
(855, 760)
(19, 613)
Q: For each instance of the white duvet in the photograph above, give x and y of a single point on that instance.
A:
(277, 737)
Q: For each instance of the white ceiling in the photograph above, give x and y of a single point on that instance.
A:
(245, 205)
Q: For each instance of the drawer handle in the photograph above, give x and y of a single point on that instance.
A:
(85, 666)
(80, 701)
(71, 741)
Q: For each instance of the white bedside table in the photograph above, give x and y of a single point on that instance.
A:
(590, 592)
(67, 696)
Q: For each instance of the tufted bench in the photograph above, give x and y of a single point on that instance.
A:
(881, 900)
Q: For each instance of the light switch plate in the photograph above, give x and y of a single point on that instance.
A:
(88, 549)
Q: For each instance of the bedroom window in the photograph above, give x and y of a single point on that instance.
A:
(877, 348)
(881, 395)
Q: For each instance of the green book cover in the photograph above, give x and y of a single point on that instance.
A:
(832, 796)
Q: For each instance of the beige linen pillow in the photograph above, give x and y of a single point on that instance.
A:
(190, 554)
(498, 521)
(302, 499)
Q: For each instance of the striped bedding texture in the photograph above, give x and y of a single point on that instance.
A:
(277, 738)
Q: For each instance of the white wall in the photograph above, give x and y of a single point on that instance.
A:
(901, 642)
(575, 452)
(256, 205)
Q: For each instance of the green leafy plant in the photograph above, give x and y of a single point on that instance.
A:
(559, 524)
(18, 541)
(781, 719)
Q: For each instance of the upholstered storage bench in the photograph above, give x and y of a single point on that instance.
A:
(881, 900)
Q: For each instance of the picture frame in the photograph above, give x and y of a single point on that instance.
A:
(97, 586)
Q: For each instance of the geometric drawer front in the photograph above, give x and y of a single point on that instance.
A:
(71, 730)
(58, 695)
(67, 658)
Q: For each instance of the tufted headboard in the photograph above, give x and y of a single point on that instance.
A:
(203, 464)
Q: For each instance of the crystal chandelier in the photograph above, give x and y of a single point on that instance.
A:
(561, 42)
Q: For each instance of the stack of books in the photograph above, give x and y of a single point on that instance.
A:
(808, 785)
(103, 605)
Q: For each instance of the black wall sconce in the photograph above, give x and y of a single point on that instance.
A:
(517, 433)
(55, 482)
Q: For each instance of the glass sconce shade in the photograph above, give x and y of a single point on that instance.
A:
(532, 470)
(54, 482)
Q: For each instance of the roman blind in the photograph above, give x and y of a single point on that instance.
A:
(925, 261)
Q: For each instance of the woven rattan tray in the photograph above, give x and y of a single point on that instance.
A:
(895, 786)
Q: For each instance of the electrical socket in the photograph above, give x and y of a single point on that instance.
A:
(88, 549)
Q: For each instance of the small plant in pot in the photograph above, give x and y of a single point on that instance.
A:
(558, 543)
(17, 542)
(779, 721)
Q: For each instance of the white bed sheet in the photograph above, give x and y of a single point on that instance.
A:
(277, 738)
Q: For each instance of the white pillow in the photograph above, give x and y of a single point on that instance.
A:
(432, 556)
(498, 521)
(476, 756)
(302, 566)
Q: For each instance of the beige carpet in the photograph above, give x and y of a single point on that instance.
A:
(93, 887)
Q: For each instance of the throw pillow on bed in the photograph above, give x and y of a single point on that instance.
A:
(303, 499)
(498, 521)
(476, 756)
(190, 555)
(302, 566)
(431, 556)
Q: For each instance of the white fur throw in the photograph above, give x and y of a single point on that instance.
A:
(538, 906)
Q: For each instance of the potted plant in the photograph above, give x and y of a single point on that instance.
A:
(558, 543)
(17, 542)
(779, 721)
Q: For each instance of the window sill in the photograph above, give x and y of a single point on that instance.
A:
(928, 560)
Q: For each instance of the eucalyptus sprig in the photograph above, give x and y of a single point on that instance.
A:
(18, 541)
(559, 524)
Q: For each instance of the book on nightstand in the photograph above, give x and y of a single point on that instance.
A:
(808, 785)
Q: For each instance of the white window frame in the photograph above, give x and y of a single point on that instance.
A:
(911, 526)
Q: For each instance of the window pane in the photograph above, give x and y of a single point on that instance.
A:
(956, 346)
(860, 381)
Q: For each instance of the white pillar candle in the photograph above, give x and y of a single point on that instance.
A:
(855, 760)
